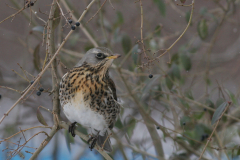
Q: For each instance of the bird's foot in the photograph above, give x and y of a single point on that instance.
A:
(93, 140)
(71, 128)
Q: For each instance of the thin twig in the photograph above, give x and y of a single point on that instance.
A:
(20, 148)
(45, 109)
(169, 48)
(62, 12)
(24, 72)
(11, 7)
(201, 105)
(20, 145)
(10, 89)
(24, 130)
(96, 12)
(35, 13)
(141, 29)
(20, 75)
(13, 15)
(111, 4)
(23, 134)
(105, 141)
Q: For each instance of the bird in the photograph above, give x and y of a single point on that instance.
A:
(88, 96)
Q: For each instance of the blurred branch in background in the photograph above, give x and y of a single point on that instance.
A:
(169, 101)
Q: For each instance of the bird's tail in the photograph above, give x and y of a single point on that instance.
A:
(101, 141)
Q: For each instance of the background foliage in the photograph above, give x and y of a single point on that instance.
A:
(168, 116)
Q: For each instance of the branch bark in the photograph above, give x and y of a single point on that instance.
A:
(44, 143)
(64, 125)
(50, 48)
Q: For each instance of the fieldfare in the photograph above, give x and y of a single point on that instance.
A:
(88, 96)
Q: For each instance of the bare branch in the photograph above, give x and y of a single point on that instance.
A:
(96, 12)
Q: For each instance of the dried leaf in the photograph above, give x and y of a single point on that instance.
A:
(41, 118)
(217, 114)
(36, 58)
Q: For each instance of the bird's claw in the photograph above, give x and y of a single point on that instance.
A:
(93, 143)
(71, 129)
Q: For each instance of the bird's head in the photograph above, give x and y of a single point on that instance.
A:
(99, 57)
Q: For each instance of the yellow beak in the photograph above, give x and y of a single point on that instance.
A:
(114, 56)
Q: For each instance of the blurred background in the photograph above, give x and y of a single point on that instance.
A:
(180, 90)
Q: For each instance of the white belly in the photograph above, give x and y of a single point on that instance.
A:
(77, 111)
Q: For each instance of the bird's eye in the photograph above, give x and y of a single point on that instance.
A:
(100, 55)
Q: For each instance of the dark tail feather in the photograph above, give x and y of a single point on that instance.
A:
(101, 139)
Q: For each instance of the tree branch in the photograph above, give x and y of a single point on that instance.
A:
(44, 143)
(64, 125)
(50, 48)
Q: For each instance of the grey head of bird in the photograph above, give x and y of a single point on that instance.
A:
(99, 58)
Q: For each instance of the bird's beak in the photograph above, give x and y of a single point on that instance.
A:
(114, 56)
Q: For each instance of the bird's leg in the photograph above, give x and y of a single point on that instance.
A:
(94, 140)
(71, 128)
(92, 145)
(90, 139)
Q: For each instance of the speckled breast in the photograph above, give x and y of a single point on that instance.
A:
(94, 90)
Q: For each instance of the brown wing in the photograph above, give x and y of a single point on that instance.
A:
(113, 88)
(117, 111)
